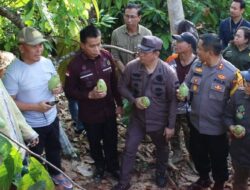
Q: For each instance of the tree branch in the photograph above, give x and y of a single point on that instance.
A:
(70, 54)
(13, 17)
(41, 158)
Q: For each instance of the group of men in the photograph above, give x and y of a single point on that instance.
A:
(212, 81)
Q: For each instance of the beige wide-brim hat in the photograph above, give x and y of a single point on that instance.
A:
(6, 58)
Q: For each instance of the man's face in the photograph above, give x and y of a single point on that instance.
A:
(147, 58)
(131, 17)
(201, 52)
(92, 47)
(182, 47)
(31, 53)
(235, 10)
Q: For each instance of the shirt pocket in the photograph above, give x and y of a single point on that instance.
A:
(195, 84)
(216, 92)
(87, 79)
(158, 87)
(136, 84)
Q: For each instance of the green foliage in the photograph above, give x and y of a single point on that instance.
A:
(7, 167)
(206, 14)
(12, 170)
(127, 108)
(37, 178)
(63, 19)
(154, 17)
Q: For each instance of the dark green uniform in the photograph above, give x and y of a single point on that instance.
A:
(240, 59)
(237, 112)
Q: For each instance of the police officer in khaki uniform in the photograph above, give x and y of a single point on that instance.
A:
(211, 79)
(148, 76)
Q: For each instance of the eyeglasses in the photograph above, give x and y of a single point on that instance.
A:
(140, 52)
(130, 16)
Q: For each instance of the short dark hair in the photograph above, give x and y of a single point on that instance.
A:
(211, 42)
(242, 3)
(134, 6)
(246, 31)
(89, 31)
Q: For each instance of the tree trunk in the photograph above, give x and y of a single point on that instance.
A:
(175, 13)
(12, 16)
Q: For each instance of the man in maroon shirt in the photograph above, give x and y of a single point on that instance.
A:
(97, 109)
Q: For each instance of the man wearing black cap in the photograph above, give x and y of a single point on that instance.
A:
(185, 48)
(237, 113)
(151, 77)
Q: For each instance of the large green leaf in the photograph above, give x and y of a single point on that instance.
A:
(6, 173)
(41, 185)
(96, 9)
(5, 148)
(18, 3)
(37, 177)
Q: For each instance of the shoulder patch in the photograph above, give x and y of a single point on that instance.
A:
(221, 76)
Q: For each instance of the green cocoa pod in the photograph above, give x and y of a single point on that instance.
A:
(238, 130)
(145, 101)
(2, 123)
(53, 82)
(183, 90)
(101, 85)
(239, 115)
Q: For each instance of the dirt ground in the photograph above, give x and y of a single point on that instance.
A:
(80, 168)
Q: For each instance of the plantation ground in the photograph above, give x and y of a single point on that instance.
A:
(80, 169)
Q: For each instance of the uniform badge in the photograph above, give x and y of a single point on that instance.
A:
(221, 76)
(198, 69)
(240, 112)
(195, 88)
(195, 81)
(218, 88)
(220, 66)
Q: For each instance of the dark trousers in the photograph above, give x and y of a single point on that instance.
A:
(241, 176)
(135, 133)
(49, 140)
(209, 152)
(105, 153)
